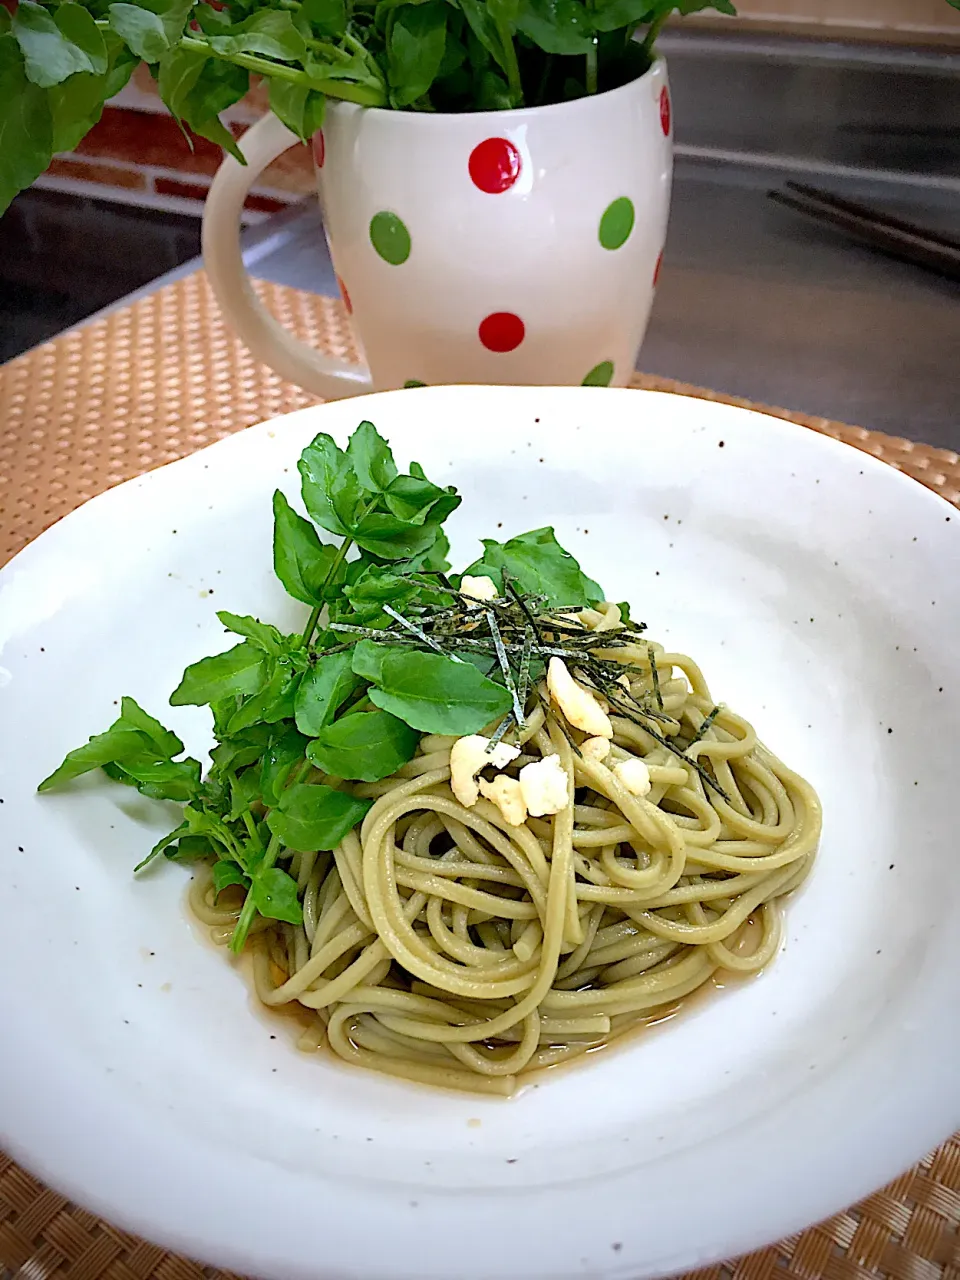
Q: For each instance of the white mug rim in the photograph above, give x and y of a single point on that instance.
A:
(435, 118)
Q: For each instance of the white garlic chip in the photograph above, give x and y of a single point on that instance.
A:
(578, 704)
(544, 785)
(595, 748)
(481, 588)
(634, 776)
(468, 756)
(507, 794)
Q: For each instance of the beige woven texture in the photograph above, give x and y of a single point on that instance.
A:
(163, 377)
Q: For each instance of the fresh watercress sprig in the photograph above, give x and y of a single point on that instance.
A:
(537, 561)
(287, 709)
(61, 60)
(137, 750)
(391, 650)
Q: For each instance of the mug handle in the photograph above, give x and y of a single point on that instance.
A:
(269, 341)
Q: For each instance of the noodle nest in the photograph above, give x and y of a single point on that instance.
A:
(442, 944)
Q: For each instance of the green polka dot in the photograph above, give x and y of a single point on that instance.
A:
(412, 382)
(390, 238)
(617, 223)
(599, 375)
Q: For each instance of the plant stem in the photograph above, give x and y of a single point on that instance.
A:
(302, 769)
(332, 573)
(592, 76)
(511, 65)
(318, 608)
(592, 67)
(364, 95)
(650, 39)
(248, 60)
(542, 87)
(230, 843)
(353, 43)
(332, 51)
(242, 928)
(250, 824)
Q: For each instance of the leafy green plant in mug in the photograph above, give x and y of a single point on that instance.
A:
(61, 60)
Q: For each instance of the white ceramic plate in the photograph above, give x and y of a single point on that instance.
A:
(815, 585)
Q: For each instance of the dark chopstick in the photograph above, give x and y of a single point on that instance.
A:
(874, 215)
(919, 245)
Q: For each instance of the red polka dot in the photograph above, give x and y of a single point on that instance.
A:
(656, 274)
(345, 296)
(666, 113)
(494, 165)
(502, 331)
(319, 148)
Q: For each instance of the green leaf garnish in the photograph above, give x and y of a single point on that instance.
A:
(323, 690)
(177, 780)
(284, 752)
(226, 873)
(331, 489)
(367, 659)
(189, 848)
(261, 634)
(275, 896)
(436, 694)
(272, 702)
(367, 745)
(539, 566)
(300, 560)
(371, 458)
(240, 749)
(134, 740)
(133, 716)
(236, 673)
(244, 790)
(167, 842)
(313, 816)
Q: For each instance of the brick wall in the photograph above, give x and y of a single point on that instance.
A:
(139, 155)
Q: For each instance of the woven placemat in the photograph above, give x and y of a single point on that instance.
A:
(163, 377)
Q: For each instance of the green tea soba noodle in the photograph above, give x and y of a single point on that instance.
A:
(443, 943)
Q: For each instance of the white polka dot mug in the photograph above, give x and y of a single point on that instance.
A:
(518, 247)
